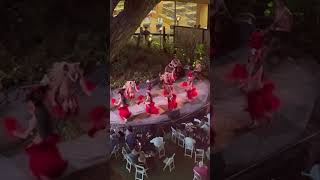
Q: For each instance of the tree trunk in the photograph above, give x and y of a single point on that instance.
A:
(126, 23)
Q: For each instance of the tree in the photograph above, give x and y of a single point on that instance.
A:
(123, 26)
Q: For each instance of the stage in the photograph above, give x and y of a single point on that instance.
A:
(140, 117)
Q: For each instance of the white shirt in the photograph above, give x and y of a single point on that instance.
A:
(189, 142)
(157, 141)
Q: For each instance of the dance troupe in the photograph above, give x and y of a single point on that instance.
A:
(172, 72)
(55, 99)
(261, 101)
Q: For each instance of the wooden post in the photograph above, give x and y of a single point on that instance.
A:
(164, 38)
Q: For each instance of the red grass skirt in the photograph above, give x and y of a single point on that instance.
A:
(124, 112)
(262, 101)
(172, 104)
(238, 73)
(151, 109)
(192, 93)
(165, 92)
(45, 159)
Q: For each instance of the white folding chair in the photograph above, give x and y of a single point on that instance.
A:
(188, 149)
(169, 162)
(115, 151)
(140, 172)
(181, 140)
(129, 163)
(198, 155)
(208, 153)
(128, 147)
(124, 153)
(196, 175)
(174, 135)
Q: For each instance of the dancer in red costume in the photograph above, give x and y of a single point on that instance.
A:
(123, 109)
(168, 80)
(262, 103)
(150, 105)
(98, 116)
(172, 101)
(190, 89)
(45, 161)
(241, 72)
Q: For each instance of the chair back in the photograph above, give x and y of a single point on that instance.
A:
(196, 175)
(140, 169)
(173, 130)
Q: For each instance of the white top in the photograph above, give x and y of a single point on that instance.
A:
(189, 142)
(157, 141)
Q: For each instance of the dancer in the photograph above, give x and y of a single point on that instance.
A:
(45, 161)
(172, 101)
(168, 80)
(241, 72)
(130, 89)
(150, 105)
(149, 86)
(98, 116)
(123, 109)
(175, 67)
(62, 79)
(190, 89)
(262, 103)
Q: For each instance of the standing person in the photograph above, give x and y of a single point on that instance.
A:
(172, 101)
(122, 104)
(150, 105)
(281, 27)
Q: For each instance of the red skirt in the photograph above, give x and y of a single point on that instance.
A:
(124, 112)
(172, 104)
(262, 101)
(151, 109)
(165, 92)
(192, 93)
(239, 73)
(45, 159)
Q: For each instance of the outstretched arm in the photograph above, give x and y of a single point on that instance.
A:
(31, 126)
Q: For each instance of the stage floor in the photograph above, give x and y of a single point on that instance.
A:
(140, 117)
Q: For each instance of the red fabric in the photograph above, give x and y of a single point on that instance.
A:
(172, 104)
(192, 93)
(140, 99)
(124, 112)
(256, 40)
(138, 87)
(98, 113)
(58, 111)
(165, 92)
(184, 84)
(10, 124)
(151, 109)
(239, 72)
(262, 101)
(190, 74)
(90, 85)
(45, 159)
(97, 116)
(113, 100)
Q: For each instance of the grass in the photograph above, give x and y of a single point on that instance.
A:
(183, 166)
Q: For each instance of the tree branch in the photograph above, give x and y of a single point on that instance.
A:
(126, 23)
